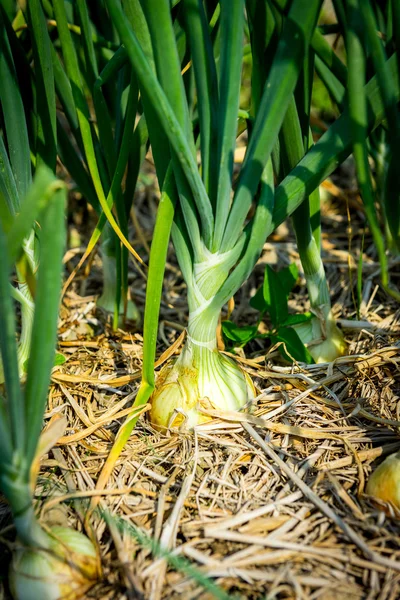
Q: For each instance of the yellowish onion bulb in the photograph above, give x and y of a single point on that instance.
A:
(201, 378)
(384, 483)
(323, 339)
(64, 571)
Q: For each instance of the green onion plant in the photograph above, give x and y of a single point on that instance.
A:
(27, 140)
(368, 52)
(218, 222)
(100, 141)
(216, 239)
(47, 563)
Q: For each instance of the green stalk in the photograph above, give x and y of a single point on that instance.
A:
(166, 115)
(12, 426)
(111, 299)
(72, 68)
(14, 116)
(44, 331)
(46, 135)
(335, 88)
(16, 486)
(232, 24)
(290, 53)
(159, 140)
(378, 57)
(159, 21)
(158, 258)
(330, 150)
(358, 116)
(328, 56)
(115, 258)
(323, 326)
(22, 235)
(16, 461)
(207, 91)
(168, 73)
(8, 189)
(263, 37)
(255, 235)
(292, 151)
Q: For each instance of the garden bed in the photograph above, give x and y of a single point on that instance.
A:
(267, 503)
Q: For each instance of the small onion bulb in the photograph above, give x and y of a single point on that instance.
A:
(64, 571)
(384, 483)
(332, 344)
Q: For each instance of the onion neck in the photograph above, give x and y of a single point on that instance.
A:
(17, 489)
(209, 274)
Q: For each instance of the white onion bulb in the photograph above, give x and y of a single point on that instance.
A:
(63, 572)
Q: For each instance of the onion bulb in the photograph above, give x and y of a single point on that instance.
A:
(200, 378)
(323, 339)
(63, 571)
(384, 483)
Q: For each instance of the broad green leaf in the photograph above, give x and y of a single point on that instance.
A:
(240, 335)
(288, 277)
(275, 297)
(292, 347)
(257, 301)
(59, 359)
(296, 319)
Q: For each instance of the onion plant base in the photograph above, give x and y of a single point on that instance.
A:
(323, 338)
(201, 378)
(65, 570)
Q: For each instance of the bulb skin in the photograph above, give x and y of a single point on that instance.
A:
(384, 483)
(64, 571)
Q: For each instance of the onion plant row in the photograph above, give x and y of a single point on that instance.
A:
(94, 89)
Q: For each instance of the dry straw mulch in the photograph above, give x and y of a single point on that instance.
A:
(268, 504)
